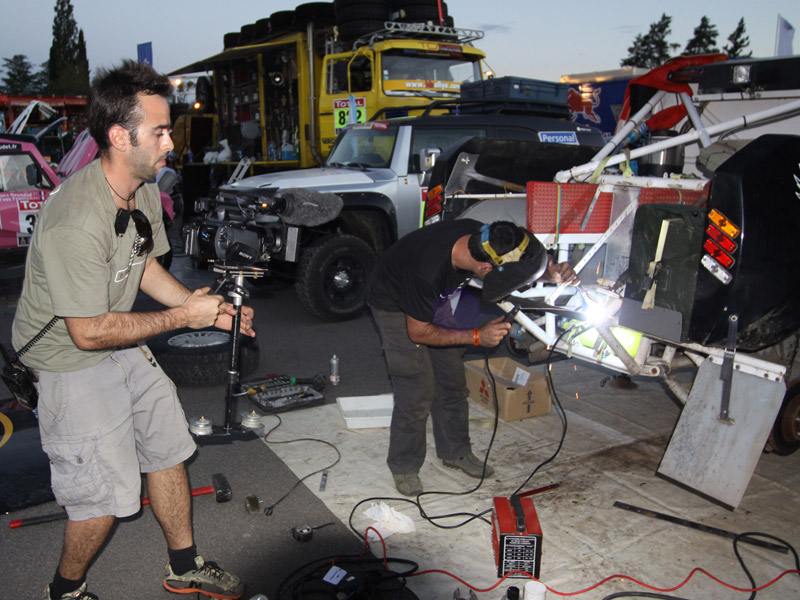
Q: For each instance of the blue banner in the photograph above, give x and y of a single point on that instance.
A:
(145, 52)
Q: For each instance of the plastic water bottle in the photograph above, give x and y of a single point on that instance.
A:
(334, 370)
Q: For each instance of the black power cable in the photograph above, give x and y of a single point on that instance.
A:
(297, 585)
(469, 517)
(747, 534)
(269, 509)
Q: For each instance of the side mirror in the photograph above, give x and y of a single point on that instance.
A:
(33, 175)
(429, 157)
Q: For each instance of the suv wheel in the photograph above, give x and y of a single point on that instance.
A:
(202, 356)
(785, 436)
(331, 280)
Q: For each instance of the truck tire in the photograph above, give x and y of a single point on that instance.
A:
(230, 40)
(320, 13)
(356, 18)
(201, 356)
(340, 4)
(785, 437)
(331, 279)
(281, 22)
(352, 30)
(421, 11)
(358, 13)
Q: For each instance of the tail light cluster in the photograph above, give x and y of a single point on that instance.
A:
(433, 205)
(720, 245)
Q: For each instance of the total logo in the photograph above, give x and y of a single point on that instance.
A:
(30, 204)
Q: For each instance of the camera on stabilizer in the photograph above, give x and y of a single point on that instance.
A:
(249, 226)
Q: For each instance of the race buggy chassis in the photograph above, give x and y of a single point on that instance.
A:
(679, 271)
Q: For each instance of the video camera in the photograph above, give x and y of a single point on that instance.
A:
(249, 226)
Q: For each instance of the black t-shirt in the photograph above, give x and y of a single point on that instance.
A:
(412, 273)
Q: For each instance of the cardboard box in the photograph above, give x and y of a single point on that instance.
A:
(521, 392)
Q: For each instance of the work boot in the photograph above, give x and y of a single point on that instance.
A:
(79, 594)
(207, 578)
(470, 464)
(408, 484)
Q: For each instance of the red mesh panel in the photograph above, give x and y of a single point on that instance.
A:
(547, 214)
(543, 208)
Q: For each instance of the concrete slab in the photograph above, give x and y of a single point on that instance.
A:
(612, 449)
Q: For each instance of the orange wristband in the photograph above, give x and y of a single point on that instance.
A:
(476, 337)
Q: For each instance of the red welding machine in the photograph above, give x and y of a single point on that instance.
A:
(516, 537)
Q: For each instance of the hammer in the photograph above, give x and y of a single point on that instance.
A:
(464, 171)
(220, 488)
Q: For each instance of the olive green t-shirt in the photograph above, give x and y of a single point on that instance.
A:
(77, 266)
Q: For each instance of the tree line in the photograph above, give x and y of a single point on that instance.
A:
(652, 49)
(65, 73)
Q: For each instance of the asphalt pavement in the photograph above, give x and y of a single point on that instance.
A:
(260, 548)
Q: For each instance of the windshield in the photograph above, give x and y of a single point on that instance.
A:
(369, 145)
(19, 172)
(426, 75)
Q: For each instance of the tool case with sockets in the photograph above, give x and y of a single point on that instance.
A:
(516, 537)
(278, 393)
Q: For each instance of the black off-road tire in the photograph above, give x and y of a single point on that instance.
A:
(331, 279)
(362, 12)
(785, 437)
(202, 356)
(356, 18)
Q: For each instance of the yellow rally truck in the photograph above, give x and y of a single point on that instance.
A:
(284, 87)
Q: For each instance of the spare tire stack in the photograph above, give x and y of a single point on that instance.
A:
(419, 11)
(354, 18)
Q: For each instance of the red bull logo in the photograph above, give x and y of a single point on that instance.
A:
(584, 104)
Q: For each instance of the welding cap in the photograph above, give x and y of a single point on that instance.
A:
(516, 267)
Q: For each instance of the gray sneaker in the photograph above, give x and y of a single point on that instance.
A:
(408, 484)
(470, 464)
(79, 594)
(207, 578)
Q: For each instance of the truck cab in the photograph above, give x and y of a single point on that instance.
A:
(280, 100)
(398, 76)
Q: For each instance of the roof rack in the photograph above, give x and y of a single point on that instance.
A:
(467, 106)
(394, 29)
(485, 106)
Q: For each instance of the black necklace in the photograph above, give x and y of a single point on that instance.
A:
(127, 200)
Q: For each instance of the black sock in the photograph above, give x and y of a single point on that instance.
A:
(62, 585)
(182, 561)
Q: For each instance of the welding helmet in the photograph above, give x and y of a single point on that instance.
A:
(518, 256)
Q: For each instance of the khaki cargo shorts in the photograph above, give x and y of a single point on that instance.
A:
(103, 426)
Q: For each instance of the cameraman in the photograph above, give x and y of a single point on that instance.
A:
(107, 412)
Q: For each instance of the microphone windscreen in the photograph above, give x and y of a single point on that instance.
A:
(308, 208)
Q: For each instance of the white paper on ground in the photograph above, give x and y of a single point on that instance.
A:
(388, 521)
